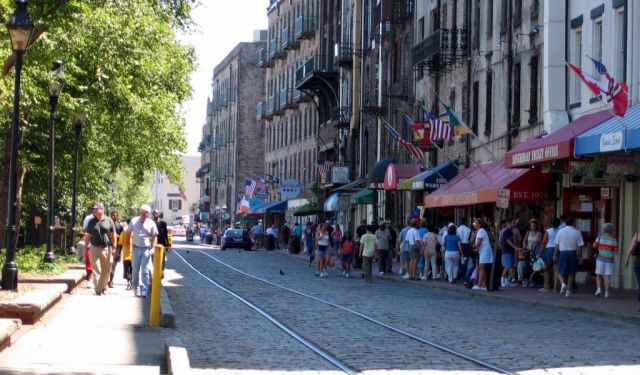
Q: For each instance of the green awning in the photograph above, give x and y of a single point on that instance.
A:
(306, 210)
(364, 196)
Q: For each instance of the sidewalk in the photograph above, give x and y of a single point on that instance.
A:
(88, 334)
(622, 304)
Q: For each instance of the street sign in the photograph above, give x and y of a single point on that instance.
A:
(503, 198)
(290, 188)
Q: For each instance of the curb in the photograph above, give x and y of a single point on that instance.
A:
(32, 305)
(7, 328)
(72, 278)
(167, 316)
(177, 357)
(492, 295)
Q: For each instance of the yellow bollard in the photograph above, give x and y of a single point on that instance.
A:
(156, 284)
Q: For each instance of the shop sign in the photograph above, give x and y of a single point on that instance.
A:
(611, 141)
(503, 198)
(290, 188)
(417, 185)
(536, 155)
(339, 174)
(435, 183)
(605, 193)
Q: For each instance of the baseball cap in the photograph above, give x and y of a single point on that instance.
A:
(145, 207)
(98, 205)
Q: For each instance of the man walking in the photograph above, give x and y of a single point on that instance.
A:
(568, 241)
(368, 243)
(508, 246)
(384, 238)
(100, 232)
(163, 236)
(144, 235)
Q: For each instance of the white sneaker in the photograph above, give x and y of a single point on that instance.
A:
(380, 273)
(567, 294)
(563, 289)
(423, 277)
(438, 277)
(503, 282)
(406, 276)
(606, 294)
(598, 292)
(484, 288)
(344, 273)
(400, 271)
(347, 275)
(475, 287)
(137, 293)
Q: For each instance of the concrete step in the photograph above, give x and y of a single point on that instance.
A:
(42, 369)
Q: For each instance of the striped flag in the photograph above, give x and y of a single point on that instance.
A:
(249, 187)
(323, 168)
(439, 129)
(615, 92)
(410, 147)
(420, 130)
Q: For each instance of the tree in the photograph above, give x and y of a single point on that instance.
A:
(121, 58)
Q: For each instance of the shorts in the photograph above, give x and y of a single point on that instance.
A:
(414, 253)
(603, 268)
(548, 257)
(321, 251)
(404, 256)
(568, 263)
(486, 256)
(346, 258)
(507, 260)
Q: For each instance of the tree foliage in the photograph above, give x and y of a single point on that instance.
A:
(124, 64)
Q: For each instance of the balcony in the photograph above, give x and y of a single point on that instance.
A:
(340, 116)
(287, 40)
(311, 75)
(305, 27)
(443, 50)
(343, 54)
(296, 96)
(286, 99)
(275, 52)
(402, 10)
(263, 59)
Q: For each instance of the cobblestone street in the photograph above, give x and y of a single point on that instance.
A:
(221, 333)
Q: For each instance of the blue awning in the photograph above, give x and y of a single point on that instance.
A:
(271, 207)
(433, 178)
(611, 135)
(253, 210)
(332, 203)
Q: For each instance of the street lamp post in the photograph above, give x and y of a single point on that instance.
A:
(20, 28)
(81, 115)
(56, 82)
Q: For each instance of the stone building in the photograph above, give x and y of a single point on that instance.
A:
(233, 140)
(169, 199)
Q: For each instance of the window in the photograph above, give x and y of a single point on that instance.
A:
(533, 94)
(475, 41)
(516, 94)
(445, 14)
(488, 104)
(620, 41)
(576, 54)
(474, 118)
(435, 21)
(597, 42)
(517, 12)
(503, 17)
(420, 29)
(489, 18)
(175, 204)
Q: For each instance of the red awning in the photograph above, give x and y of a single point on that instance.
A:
(558, 145)
(397, 172)
(480, 185)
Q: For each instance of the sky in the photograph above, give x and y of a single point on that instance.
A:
(221, 25)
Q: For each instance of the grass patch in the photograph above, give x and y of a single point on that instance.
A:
(30, 259)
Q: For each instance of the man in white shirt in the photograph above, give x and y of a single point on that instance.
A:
(464, 232)
(414, 241)
(568, 243)
(144, 236)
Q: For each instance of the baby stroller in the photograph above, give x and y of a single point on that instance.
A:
(532, 274)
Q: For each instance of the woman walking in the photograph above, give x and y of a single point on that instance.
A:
(607, 247)
(550, 267)
(483, 247)
(336, 240)
(347, 248)
(429, 244)
(452, 251)
(322, 248)
(531, 243)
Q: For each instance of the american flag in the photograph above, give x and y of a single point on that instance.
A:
(262, 184)
(439, 129)
(616, 92)
(410, 147)
(323, 168)
(249, 187)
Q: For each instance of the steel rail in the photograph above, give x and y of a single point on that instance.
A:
(372, 320)
(346, 369)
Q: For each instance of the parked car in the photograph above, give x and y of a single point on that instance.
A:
(235, 238)
(176, 221)
(177, 230)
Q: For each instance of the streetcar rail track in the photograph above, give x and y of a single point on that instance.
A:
(424, 341)
(334, 361)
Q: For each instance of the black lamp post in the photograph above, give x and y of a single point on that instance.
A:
(56, 82)
(20, 28)
(81, 115)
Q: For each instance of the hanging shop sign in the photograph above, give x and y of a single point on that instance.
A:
(290, 188)
(339, 174)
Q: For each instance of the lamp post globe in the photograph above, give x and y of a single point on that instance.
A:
(20, 27)
(80, 116)
(56, 83)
